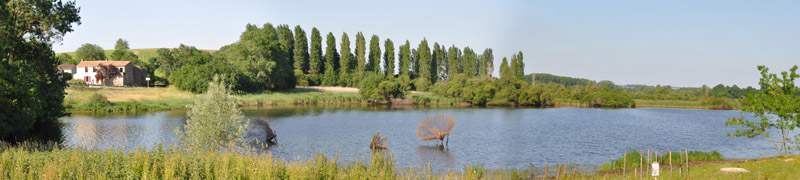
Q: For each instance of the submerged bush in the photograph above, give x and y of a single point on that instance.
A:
(436, 128)
(215, 119)
(379, 141)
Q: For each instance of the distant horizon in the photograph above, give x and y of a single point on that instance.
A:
(677, 43)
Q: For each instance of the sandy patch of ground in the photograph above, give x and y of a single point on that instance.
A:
(327, 88)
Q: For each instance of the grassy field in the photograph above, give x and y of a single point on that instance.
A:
(50, 162)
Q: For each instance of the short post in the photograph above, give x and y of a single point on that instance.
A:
(546, 168)
(148, 81)
(624, 159)
(687, 163)
(670, 164)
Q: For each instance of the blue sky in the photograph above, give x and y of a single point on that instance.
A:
(679, 43)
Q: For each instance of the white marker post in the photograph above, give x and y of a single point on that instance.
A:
(148, 81)
(655, 170)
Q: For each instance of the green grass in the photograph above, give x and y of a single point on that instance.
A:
(634, 159)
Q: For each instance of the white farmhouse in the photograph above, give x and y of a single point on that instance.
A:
(130, 75)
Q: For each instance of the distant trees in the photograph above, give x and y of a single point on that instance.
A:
(90, 52)
(316, 62)
(374, 64)
(347, 63)
(405, 60)
(331, 75)
(388, 57)
(300, 50)
(436, 128)
(360, 53)
(777, 106)
(121, 52)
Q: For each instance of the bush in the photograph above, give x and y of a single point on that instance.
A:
(717, 103)
(436, 128)
(379, 141)
(77, 81)
(609, 98)
(98, 98)
(215, 119)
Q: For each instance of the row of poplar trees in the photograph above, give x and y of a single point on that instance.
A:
(425, 64)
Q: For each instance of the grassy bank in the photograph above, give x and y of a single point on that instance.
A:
(46, 162)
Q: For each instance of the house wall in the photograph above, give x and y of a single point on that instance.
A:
(130, 75)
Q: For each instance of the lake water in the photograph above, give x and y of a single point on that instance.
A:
(494, 137)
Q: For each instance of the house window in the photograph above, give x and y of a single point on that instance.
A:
(94, 70)
(86, 69)
(120, 70)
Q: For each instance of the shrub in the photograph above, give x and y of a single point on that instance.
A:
(717, 103)
(379, 141)
(435, 128)
(609, 98)
(98, 98)
(215, 119)
(77, 81)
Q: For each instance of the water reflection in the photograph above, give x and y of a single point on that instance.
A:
(438, 157)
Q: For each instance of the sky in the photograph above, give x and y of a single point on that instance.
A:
(678, 43)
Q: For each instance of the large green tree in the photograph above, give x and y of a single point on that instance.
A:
(361, 49)
(347, 62)
(471, 62)
(487, 63)
(31, 90)
(331, 74)
(316, 61)
(440, 54)
(405, 59)
(122, 52)
(300, 50)
(777, 107)
(90, 52)
(455, 61)
(286, 38)
(262, 58)
(517, 66)
(374, 55)
(388, 57)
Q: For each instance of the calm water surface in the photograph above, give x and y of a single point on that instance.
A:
(494, 137)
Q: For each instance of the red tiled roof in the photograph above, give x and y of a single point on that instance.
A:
(66, 66)
(97, 63)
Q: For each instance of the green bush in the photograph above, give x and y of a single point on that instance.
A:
(77, 81)
(98, 98)
(609, 98)
(720, 103)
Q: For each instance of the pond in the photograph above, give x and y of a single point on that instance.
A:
(494, 137)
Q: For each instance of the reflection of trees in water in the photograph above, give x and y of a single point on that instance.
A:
(439, 157)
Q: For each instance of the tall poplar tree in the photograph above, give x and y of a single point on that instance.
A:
(405, 59)
(443, 67)
(286, 38)
(388, 57)
(487, 63)
(316, 63)
(517, 66)
(414, 63)
(470, 62)
(331, 62)
(426, 64)
(346, 62)
(360, 53)
(454, 59)
(374, 54)
(300, 50)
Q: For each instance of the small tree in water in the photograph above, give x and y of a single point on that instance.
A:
(776, 105)
(215, 119)
(436, 128)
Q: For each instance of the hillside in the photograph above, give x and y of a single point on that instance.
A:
(143, 54)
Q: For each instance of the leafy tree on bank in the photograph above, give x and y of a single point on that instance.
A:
(361, 49)
(405, 60)
(90, 52)
(777, 106)
(122, 53)
(316, 62)
(300, 50)
(517, 66)
(425, 69)
(388, 57)
(31, 90)
(286, 39)
(374, 64)
(454, 60)
(487, 63)
(261, 58)
(471, 62)
(377, 88)
(215, 119)
(331, 62)
(347, 62)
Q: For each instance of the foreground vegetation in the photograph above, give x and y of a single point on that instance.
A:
(49, 162)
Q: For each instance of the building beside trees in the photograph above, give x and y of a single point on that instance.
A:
(126, 73)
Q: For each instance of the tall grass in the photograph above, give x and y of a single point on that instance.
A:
(633, 159)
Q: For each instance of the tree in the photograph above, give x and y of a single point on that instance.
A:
(470, 62)
(405, 59)
(122, 44)
(505, 72)
(346, 62)
(65, 58)
(374, 55)
(388, 57)
(776, 106)
(360, 53)
(331, 62)
(215, 119)
(436, 128)
(317, 64)
(300, 50)
(90, 52)
(260, 57)
(122, 53)
(440, 54)
(426, 65)
(31, 90)
(107, 72)
(454, 61)
(286, 39)
(487, 63)
(517, 66)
